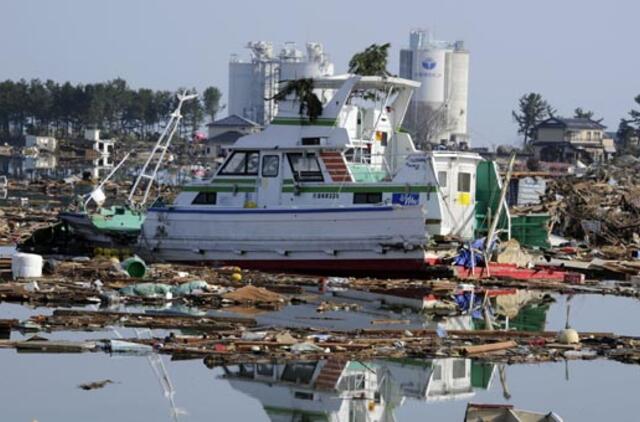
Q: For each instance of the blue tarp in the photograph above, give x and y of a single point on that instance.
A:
(465, 258)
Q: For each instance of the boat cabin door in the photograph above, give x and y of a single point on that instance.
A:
(456, 178)
(270, 180)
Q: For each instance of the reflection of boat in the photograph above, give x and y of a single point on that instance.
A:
(324, 390)
(438, 379)
(337, 391)
(505, 413)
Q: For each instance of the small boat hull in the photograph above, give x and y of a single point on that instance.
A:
(82, 226)
(110, 227)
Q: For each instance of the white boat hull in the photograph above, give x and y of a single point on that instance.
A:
(307, 240)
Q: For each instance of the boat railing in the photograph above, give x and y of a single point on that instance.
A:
(383, 160)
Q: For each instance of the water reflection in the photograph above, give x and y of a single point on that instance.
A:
(334, 390)
(408, 389)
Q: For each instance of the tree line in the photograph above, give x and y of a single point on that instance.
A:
(66, 109)
(533, 109)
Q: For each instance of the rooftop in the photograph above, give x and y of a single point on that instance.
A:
(234, 121)
(225, 138)
(571, 123)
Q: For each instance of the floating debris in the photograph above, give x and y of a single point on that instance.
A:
(95, 385)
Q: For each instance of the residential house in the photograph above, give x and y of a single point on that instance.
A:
(97, 152)
(100, 146)
(572, 140)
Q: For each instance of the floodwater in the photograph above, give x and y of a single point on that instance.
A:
(44, 387)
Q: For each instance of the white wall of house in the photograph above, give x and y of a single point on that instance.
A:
(584, 135)
(44, 143)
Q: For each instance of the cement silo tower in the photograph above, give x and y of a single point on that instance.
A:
(438, 112)
(252, 83)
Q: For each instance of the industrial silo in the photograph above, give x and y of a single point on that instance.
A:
(253, 84)
(295, 65)
(430, 72)
(241, 85)
(459, 93)
(438, 112)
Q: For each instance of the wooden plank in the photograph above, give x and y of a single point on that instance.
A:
(488, 348)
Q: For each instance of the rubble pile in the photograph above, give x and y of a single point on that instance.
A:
(18, 223)
(225, 346)
(601, 207)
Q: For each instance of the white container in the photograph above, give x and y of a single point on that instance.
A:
(26, 265)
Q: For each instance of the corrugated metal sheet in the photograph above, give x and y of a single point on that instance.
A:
(530, 189)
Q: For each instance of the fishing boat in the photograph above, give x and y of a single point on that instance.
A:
(345, 191)
(505, 413)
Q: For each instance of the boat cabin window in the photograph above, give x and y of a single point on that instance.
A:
(270, 165)
(367, 198)
(464, 182)
(303, 395)
(265, 369)
(299, 372)
(459, 368)
(352, 382)
(310, 141)
(437, 373)
(442, 179)
(305, 167)
(205, 198)
(242, 163)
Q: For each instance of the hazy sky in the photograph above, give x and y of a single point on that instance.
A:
(576, 53)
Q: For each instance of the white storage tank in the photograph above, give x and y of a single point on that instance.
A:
(440, 104)
(459, 91)
(430, 72)
(26, 265)
(242, 77)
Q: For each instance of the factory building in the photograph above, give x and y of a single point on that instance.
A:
(252, 83)
(438, 112)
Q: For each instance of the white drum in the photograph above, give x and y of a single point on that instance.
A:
(26, 265)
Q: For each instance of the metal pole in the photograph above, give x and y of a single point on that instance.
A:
(496, 217)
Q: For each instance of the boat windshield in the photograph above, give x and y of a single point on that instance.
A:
(242, 163)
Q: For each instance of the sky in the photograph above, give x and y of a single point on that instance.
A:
(575, 53)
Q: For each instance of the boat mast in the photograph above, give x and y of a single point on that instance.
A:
(158, 152)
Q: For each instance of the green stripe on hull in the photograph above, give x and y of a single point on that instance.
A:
(293, 121)
(219, 180)
(359, 189)
(219, 189)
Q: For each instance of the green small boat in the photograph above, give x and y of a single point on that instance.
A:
(114, 226)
